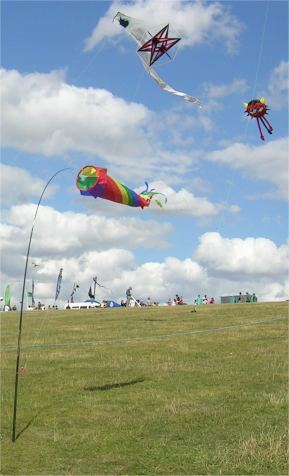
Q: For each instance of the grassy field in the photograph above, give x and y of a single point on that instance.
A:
(148, 391)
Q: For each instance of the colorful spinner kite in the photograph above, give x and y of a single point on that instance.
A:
(257, 109)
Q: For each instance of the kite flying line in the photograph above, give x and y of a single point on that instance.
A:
(261, 49)
(22, 304)
(260, 56)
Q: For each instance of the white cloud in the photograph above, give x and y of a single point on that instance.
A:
(278, 88)
(107, 265)
(267, 162)
(185, 202)
(217, 91)
(275, 291)
(41, 113)
(18, 185)
(242, 257)
(250, 264)
(220, 266)
(62, 234)
(196, 22)
(214, 93)
(163, 280)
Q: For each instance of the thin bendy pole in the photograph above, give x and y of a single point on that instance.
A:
(21, 309)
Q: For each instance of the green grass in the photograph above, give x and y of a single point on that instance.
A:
(148, 391)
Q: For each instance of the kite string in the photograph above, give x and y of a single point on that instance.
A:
(87, 66)
(261, 49)
(137, 89)
(260, 56)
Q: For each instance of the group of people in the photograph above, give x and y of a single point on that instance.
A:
(204, 300)
(178, 300)
(247, 297)
(7, 308)
(131, 301)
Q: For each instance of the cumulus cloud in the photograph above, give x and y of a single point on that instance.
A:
(108, 265)
(117, 269)
(84, 245)
(216, 91)
(197, 22)
(278, 88)
(249, 264)
(58, 234)
(165, 279)
(219, 266)
(267, 162)
(238, 257)
(44, 114)
(187, 203)
(275, 291)
(17, 185)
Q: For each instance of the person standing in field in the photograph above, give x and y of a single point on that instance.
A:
(128, 296)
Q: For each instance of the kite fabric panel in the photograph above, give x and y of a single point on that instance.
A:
(148, 56)
(94, 181)
(159, 45)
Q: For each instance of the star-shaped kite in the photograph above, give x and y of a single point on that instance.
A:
(159, 44)
(150, 51)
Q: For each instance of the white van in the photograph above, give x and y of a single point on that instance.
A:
(89, 304)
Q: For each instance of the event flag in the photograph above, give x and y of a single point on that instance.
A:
(58, 285)
(7, 295)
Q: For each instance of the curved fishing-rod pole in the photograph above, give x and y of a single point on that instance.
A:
(22, 303)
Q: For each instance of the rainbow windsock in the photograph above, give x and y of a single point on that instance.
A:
(94, 181)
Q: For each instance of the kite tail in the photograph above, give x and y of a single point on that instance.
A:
(146, 189)
(150, 194)
(261, 134)
(266, 124)
(169, 89)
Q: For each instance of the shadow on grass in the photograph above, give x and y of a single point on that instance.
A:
(28, 424)
(110, 386)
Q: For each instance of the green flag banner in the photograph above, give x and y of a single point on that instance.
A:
(7, 295)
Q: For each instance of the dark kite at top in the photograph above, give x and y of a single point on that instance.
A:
(159, 45)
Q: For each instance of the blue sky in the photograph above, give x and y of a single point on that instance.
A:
(75, 92)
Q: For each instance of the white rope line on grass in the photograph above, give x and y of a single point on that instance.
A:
(145, 338)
